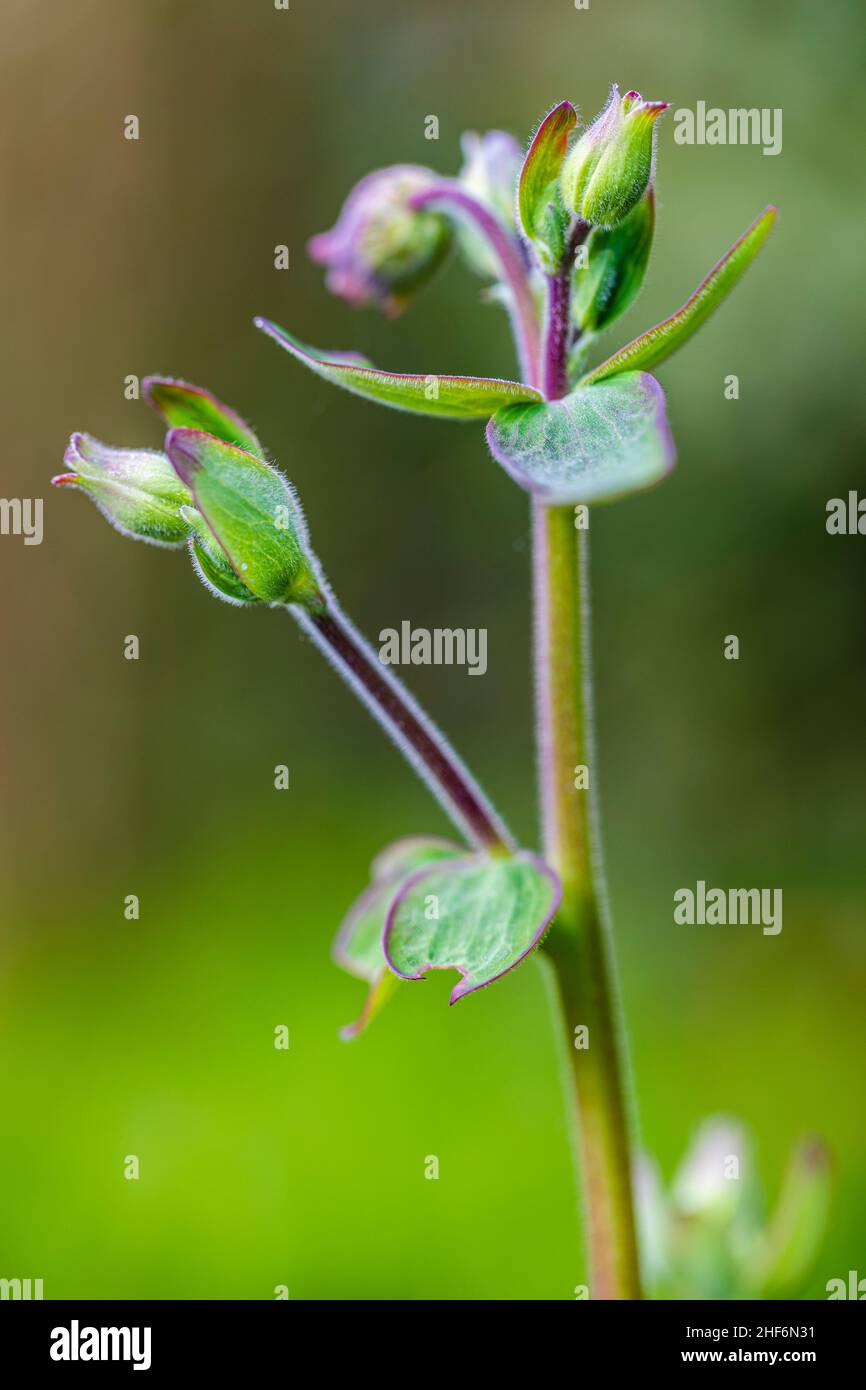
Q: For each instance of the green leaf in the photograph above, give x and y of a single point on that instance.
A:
(616, 264)
(657, 344)
(597, 443)
(479, 915)
(358, 946)
(191, 407)
(453, 397)
(251, 511)
(539, 199)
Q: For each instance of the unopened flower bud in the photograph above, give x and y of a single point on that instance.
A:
(137, 490)
(250, 511)
(381, 250)
(609, 169)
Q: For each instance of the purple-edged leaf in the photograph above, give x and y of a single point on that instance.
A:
(453, 397)
(191, 407)
(539, 200)
(402, 857)
(358, 946)
(657, 344)
(478, 914)
(597, 443)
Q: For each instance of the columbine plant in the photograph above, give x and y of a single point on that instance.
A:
(563, 236)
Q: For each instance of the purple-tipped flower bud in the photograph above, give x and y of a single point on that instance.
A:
(380, 250)
(137, 490)
(609, 169)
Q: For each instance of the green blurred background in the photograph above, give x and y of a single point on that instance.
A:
(155, 777)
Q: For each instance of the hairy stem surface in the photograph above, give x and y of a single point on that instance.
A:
(399, 714)
(553, 364)
(578, 947)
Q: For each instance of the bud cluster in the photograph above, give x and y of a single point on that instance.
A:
(210, 489)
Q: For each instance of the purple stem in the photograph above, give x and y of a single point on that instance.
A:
(402, 718)
(508, 252)
(554, 376)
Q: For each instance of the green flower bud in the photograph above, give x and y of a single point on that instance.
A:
(246, 512)
(137, 490)
(609, 169)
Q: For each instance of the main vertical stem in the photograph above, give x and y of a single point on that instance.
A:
(578, 947)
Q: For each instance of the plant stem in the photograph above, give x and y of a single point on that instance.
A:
(509, 252)
(578, 946)
(403, 719)
(552, 373)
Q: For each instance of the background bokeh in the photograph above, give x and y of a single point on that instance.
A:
(155, 777)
